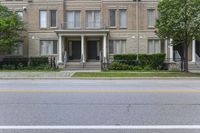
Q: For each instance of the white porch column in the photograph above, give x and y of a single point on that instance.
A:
(60, 56)
(171, 51)
(82, 49)
(166, 48)
(194, 50)
(104, 49)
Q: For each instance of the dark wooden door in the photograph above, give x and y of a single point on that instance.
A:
(76, 49)
(92, 49)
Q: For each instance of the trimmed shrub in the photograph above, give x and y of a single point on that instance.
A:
(146, 62)
(119, 66)
(37, 61)
(23, 63)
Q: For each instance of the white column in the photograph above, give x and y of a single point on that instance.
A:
(60, 58)
(166, 48)
(194, 50)
(82, 49)
(104, 49)
(171, 51)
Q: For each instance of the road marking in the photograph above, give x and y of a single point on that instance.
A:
(100, 91)
(103, 127)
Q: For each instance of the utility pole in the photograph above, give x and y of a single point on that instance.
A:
(138, 28)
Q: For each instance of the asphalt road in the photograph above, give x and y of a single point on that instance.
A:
(99, 102)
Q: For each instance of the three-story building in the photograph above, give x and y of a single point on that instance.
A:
(85, 31)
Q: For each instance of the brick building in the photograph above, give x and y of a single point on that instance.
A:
(87, 31)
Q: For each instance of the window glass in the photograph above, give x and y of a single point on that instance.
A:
(117, 46)
(154, 46)
(53, 18)
(150, 18)
(48, 47)
(43, 19)
(73, 19)
(93, 19)
(112, 17)
(122, 17)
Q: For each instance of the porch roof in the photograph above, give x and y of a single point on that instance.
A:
(82, 32)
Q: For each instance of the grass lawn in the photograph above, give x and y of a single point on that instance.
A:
(135, 74)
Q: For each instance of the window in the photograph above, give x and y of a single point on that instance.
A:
(150, 18)
(122, 18)
(18, 48)
(117, 46)
(43, 19)
(73, 19)
(48, 47)
(154, 46)
(112, 17)
(53, 18)
(93, 19)
(20, 13)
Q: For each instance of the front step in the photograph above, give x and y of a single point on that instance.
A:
(193, 66)
(80, 66)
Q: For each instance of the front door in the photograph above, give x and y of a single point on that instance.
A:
(92, 50)
(76, 50)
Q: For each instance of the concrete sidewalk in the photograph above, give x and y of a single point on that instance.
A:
(36, 75)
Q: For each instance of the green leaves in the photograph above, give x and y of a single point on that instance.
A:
(179, 20)
(10, 28)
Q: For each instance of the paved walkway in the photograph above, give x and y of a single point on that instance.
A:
(36, 75)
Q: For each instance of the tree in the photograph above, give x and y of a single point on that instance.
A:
(11, 27)
(179, 20)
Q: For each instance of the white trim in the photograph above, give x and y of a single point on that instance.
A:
(102, 127)
(193, 50)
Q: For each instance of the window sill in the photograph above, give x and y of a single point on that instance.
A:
(122, 28)
(43, 28)
(151, 27)
(53, 27)
(112, 27)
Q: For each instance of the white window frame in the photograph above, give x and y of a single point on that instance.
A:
(74, 22)
(151, 21)
(51, 18)
(118, 46)
(96, 24)
(115, 11)
(48, 47)
(45, 25)
(120, 11)
(155, 47)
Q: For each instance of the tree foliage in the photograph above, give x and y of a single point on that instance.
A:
(179, 20)
(11, 27)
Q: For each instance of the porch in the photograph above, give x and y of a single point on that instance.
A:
(85, 48)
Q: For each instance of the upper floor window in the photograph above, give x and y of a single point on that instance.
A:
(151, 18)
(112, 19)
(73, 19)
(154, 46)
(93, 19)
(43, 19)
(122, 18)
(53, 18)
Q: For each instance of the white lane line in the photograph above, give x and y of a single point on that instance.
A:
(102, 127)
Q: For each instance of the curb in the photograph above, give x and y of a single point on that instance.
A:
(101, 78)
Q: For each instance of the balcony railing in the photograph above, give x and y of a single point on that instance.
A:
(78, 26)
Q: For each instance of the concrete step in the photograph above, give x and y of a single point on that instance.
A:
(80, 66)
(194, 66)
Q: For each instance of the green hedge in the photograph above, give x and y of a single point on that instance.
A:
(36, 61)
(25, 63)
(146, 61)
